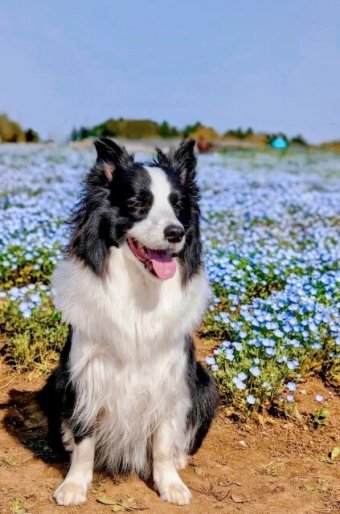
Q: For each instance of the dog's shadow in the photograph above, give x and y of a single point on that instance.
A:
(26, 423)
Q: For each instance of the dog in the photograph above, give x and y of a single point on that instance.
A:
(128, 393)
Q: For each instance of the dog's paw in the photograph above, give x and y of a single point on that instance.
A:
(70, 493)
(175, 492)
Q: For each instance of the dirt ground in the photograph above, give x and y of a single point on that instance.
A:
(276, 466)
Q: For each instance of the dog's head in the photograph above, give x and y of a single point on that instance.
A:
(150, 211)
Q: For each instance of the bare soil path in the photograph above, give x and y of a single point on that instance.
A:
(276, 467)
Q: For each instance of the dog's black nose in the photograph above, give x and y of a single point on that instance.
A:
(174, 233)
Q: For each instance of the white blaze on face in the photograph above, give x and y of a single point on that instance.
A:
(150, 231)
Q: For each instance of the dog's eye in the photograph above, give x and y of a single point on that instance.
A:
(138, 205)
(176, 201)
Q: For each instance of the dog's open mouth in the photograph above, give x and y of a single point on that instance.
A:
(159, 262)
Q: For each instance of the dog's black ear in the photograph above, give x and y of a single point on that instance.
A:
(162, 160)
(111, 156)
(185, 161)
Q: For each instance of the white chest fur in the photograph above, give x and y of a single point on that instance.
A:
(127, 358)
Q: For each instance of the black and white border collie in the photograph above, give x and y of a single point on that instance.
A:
(128, 393)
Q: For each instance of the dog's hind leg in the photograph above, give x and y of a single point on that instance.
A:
(72, 491)
(204, 400)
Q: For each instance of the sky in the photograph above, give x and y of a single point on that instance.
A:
(274, 66)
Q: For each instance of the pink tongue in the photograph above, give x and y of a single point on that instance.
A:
(162, 264)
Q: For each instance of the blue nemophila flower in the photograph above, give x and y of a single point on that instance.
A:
(229, 354)
(251, 399)
(293, 364)
(316, 346)
(239, 383)
(291, 386)
(270, 241)
(237, 346)
(319, 398)
(290, 398)
(210, 360)
(242, 375)
(255, 371)
(35, 297)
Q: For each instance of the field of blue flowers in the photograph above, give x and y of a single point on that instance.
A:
(271, 232)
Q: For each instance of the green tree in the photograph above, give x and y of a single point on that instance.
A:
(189, 129)
(31, 136)
(299, 140)
(166, 130)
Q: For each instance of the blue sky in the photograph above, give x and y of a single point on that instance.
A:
(228, 63)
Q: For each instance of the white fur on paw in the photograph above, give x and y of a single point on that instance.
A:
(175, 492)
(181, 462)
(70, 493)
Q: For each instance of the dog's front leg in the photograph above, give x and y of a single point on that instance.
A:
(167, 480)
(72, 491)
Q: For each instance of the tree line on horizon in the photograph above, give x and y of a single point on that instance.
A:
(144, 128)
(12, 132)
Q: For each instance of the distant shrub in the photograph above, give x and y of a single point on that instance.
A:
(11, 132)
(239, 133)
(206, 133)
(129, 129)
(165, 130)
(270, 137)
(298, 140)
(189, 129)
(31, 136)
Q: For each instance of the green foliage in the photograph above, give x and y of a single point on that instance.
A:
(129, 129)
(34, 342)
(31, 136)
(189, 129)
(239, 133)
(320, 417)
(144, 128)
(298, 140)
(133, 129)
(37, 270)
(270, 137)
(165, 130)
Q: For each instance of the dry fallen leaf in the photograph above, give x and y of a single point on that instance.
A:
(200, 472)
(335, 453)
(238, 499)
(104, 500)
(122, 505)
